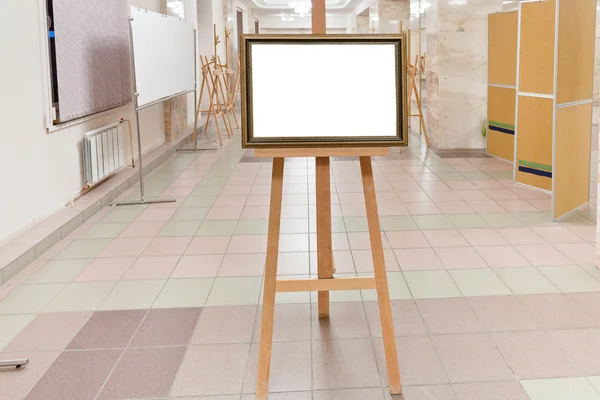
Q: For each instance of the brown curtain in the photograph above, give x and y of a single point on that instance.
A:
(92, 56)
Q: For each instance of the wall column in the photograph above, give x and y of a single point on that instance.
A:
(390, 13)
(456, 72)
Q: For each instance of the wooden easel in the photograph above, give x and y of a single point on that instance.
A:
(222, 73)
(325, 281)
(412, 71)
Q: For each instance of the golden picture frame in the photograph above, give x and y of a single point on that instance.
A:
(323, 91)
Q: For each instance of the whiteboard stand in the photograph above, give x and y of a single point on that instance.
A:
(14, 363)
(142, 199)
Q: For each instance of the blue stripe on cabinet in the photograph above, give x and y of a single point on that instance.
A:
(503, 130)
(537, 172)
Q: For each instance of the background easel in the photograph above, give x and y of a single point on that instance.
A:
(325, 281)
(412, 71)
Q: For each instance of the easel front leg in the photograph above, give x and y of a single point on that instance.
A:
(268, 309)
(324, 247)
(383, 294)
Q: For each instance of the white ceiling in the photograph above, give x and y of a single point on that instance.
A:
(281, 7)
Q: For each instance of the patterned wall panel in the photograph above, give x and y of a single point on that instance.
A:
(92, 56)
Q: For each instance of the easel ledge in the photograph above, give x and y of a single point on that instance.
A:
(323, 152)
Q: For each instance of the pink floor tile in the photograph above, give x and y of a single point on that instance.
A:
(177, 191)
(406, 239)
(488, 184)
(518, 236)
(557, 234)
(156, 214)
(362, 240)
(483, 237)
(224, 212)
(517, 206)
(502, 194)
(586, 232)
(412, 196)
(445, 238)
(125, 247)
(250, 244)
(106, 269)
(418, 259)
(258, 200)
(186, 181)
(454, 207)
(354, 210)
(442, 195)
(142, 229)
(460, 258)
(202, 266)
(471, 195)
(526, 193)
(543, 254)
(243, 265)
(433, 185)
(541, 204)
(485, 206)
(208, 245)
(578, 253)
(502, 256)
(422, 208)
(167, 246)
(152, 267)
(363, 259)
(255, 212)
(461, 185)
(386, 209)
(230, 200)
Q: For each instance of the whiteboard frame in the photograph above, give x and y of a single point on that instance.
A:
(401, 136)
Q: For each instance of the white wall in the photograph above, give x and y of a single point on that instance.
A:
(39, 170)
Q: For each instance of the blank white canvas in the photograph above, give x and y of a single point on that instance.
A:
(164, 55)
(324, 90)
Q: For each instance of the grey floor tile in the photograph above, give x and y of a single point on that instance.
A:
(344, 364)
(108, 329)
(290, 367)
(581, 348)
(437, 392)
(407, 320)
(76, 375)
(503, 313)
(346, 321)
(419, 363)
(292, 322)
(471, 358)
(443, 316)
(143, 373)
(556, 311)
(167, 327)
(533, 355)
(349, 394)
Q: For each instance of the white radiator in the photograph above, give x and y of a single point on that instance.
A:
(102, 153)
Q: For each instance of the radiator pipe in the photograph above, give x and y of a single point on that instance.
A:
(79, 192)
(130, 139)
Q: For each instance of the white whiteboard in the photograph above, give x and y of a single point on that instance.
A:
(324, 90)
(163, 49)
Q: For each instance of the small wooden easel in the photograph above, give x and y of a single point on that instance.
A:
(412, 71)
(325, 281)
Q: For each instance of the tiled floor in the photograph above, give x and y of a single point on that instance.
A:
(491, 300)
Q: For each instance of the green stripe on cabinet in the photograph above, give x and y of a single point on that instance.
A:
(535, 165)
(501, 125)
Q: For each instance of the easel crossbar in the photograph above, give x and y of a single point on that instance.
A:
(322, 285)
